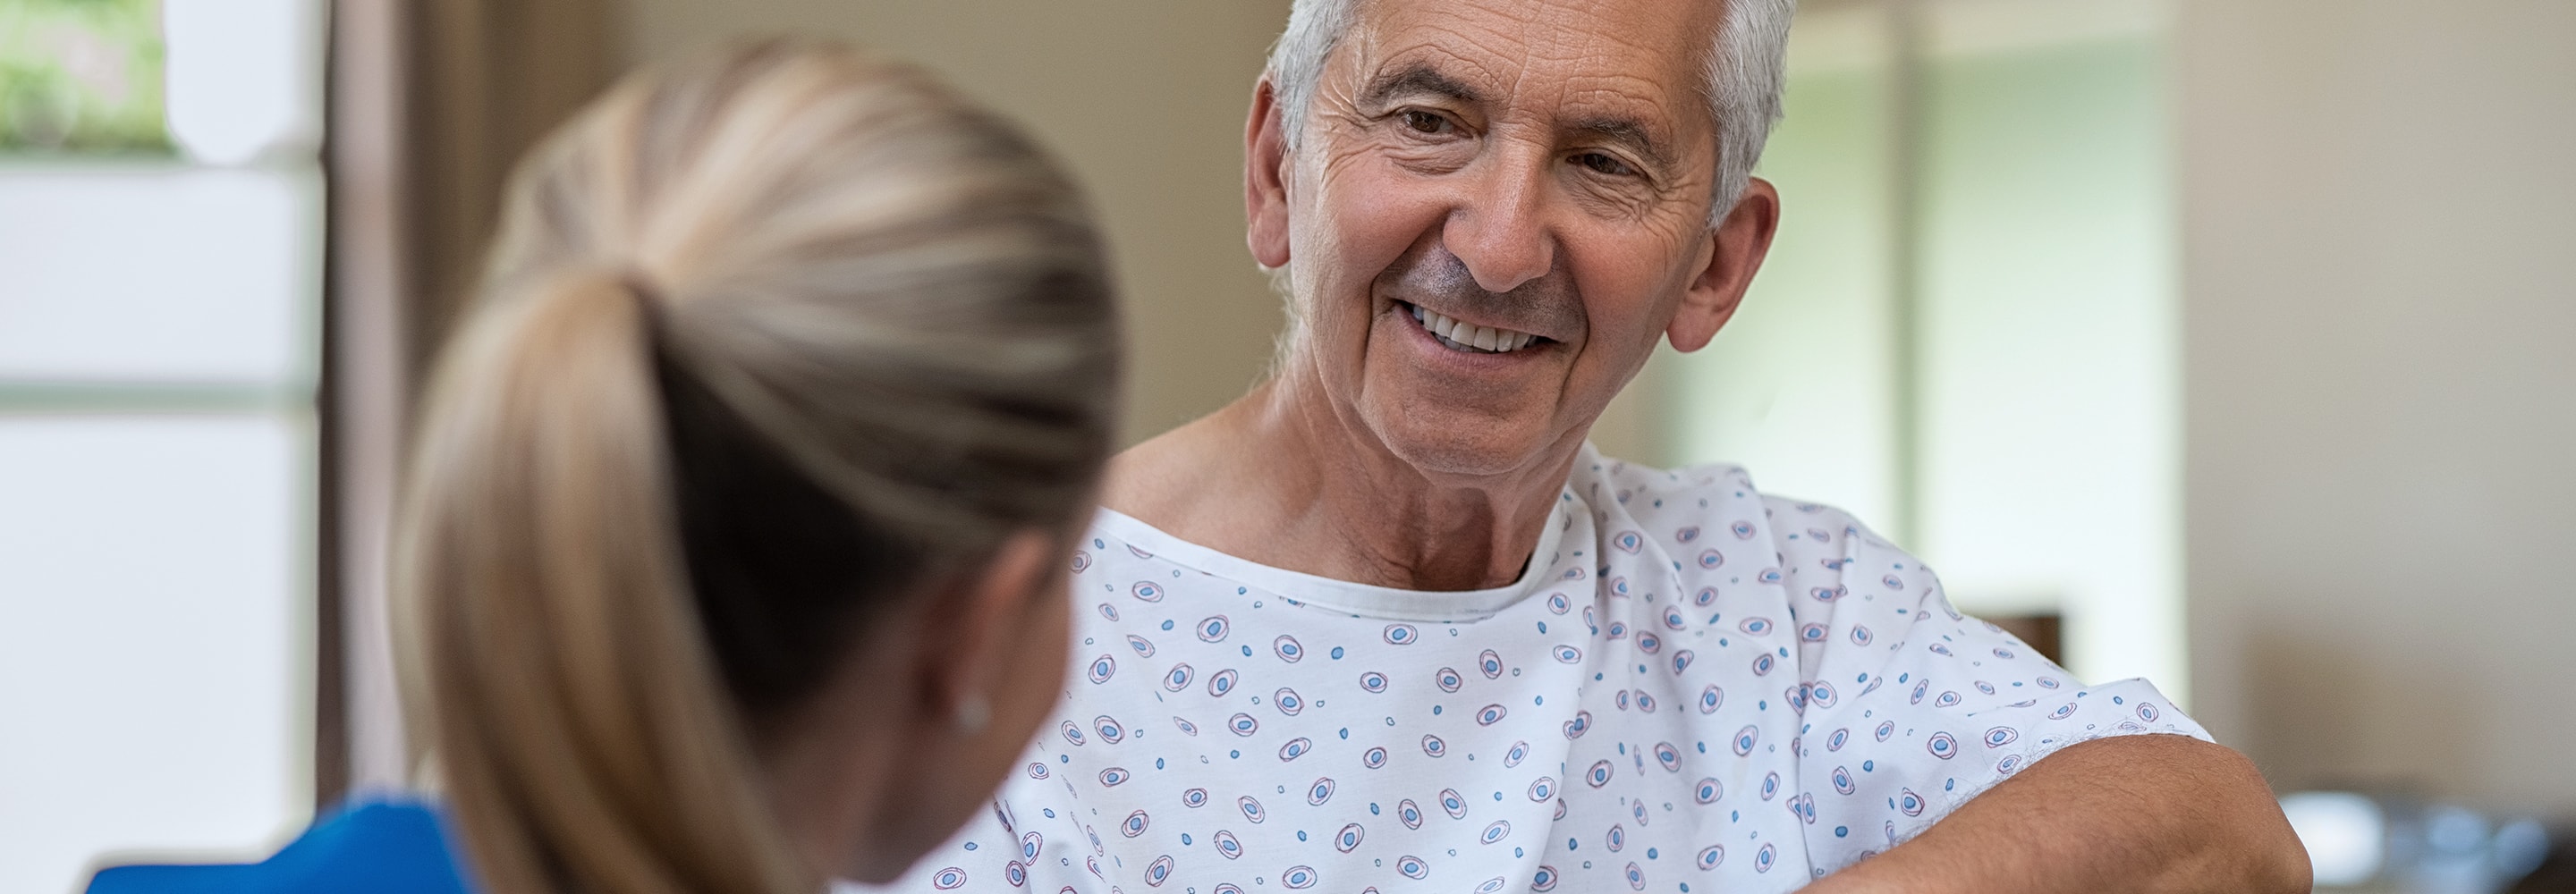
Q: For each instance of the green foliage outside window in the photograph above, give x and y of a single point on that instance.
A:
(81, 76)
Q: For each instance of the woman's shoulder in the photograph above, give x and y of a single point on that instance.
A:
(393, 846)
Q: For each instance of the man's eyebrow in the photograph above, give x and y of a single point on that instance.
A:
(1416, 79)
(1628, 131)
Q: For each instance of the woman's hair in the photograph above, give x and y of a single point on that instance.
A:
(769, 340)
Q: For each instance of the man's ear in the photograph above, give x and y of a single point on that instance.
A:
(1265, 178)
(1736, 248)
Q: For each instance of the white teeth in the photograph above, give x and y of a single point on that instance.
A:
(1499, 341)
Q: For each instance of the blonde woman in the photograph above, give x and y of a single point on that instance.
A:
(734, 550)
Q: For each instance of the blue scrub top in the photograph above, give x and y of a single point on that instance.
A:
(390, 847)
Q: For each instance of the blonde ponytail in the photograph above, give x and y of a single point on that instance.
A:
(786, 256)
(576, 652)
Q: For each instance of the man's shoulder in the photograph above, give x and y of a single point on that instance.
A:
(1720, 533)
(1720, 494)
(1615, 486)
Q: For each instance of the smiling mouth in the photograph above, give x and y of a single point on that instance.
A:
(1467, 337)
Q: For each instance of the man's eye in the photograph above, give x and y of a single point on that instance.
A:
(1425, 122)
(1602, 163)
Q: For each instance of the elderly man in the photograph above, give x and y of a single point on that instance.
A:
(1388, 623)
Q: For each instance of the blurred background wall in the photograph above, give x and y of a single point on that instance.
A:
(1145, 101)
(2378, 202)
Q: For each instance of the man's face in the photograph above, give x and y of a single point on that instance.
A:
(1538, 169)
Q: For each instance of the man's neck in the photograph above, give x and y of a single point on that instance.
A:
(1278, 478)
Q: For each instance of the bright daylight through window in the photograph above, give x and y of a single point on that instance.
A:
(160, 270)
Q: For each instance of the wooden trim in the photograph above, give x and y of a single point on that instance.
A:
(2044, 632)
(430, 101)
(494, 77)
(364, 384)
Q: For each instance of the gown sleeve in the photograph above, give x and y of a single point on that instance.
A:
(1911, 708)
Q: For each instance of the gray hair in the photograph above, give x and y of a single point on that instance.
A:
(1743, 80)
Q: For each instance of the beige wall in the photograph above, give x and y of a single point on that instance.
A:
(2379, 240)
(1145, 99)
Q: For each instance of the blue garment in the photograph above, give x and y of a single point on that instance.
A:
(387, 847)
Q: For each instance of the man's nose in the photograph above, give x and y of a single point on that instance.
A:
(1499, 228)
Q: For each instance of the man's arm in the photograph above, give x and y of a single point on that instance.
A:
(2155, 813)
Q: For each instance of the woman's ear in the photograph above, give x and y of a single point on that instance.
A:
(1265, 178)
(920, 724)
(1736, 248)
(997, 616)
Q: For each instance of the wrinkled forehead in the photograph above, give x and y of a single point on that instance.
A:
(1559, 61)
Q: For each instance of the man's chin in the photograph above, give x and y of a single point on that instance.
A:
(1463, 445)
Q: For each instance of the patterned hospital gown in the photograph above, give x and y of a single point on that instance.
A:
(1693, 687)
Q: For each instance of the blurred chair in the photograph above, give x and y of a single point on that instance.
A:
(2557, 871)
(2043, 631)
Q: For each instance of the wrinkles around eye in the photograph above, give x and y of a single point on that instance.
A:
(1447, 146)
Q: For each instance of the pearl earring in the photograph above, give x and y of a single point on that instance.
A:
(973, 712)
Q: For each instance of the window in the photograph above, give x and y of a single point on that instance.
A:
(160, 275)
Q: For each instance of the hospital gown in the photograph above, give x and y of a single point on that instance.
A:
(1692, 687)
